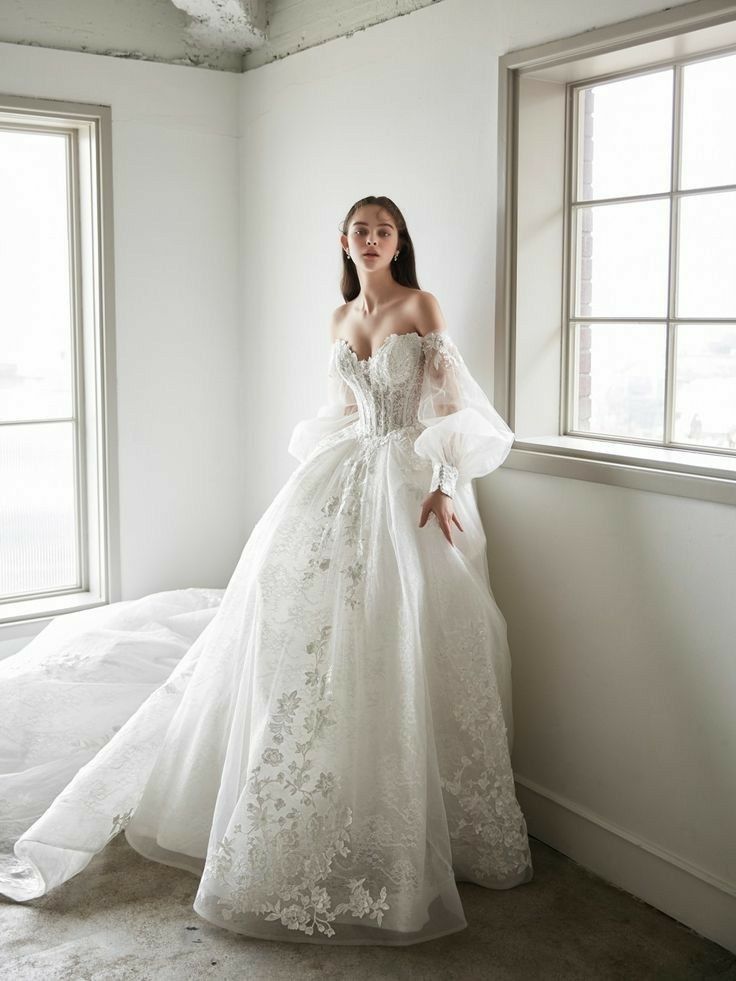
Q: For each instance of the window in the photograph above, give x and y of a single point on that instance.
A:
(616, 345)
(55, 323)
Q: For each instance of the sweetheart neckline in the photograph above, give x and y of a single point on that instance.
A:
(387, 338)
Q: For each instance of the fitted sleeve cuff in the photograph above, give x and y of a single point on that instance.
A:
(444, 478)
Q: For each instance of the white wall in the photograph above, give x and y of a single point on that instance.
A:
(176, 214)
(619, 603)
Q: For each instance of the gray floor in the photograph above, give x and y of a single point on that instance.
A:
(127, 919)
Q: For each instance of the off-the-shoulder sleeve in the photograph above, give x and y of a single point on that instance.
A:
(338, 412)
(464, 437)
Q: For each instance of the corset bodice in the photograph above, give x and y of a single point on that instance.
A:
(387, 385)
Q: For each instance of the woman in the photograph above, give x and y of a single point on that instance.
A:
(331, 753)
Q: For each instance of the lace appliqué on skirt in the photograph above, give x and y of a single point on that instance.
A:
(288, 855)
(486, 825)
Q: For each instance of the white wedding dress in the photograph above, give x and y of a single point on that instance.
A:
(325, 743)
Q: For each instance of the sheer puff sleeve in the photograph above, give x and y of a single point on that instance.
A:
(339, 411)
(464, 437)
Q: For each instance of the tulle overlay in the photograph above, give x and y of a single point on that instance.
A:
(325, 744)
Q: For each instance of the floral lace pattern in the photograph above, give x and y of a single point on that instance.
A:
(309, 834)
(292, 852)
(486, 825)
(440, 351)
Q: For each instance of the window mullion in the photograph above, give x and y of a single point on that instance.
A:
(568, 353)
(77, 364)
(670, 366)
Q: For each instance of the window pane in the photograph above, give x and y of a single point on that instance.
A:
(621, 260)
(626, 137)
(705, 386)
(708, 132)
(37, 521)
(35, 311)
(620, 379)
(707, 256)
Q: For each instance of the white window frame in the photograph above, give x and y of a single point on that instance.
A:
(89, 130)
(531, 287)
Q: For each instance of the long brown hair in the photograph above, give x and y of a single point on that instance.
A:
(403, 269)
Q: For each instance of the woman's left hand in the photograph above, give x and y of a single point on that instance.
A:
(441, 506)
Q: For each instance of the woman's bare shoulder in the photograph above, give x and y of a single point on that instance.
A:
(336, 320)
(427, 313)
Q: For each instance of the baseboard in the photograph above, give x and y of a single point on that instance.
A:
(694, 896)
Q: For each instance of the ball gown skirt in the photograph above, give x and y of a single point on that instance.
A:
(325, 743)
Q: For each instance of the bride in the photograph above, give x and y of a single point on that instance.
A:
(325, 743)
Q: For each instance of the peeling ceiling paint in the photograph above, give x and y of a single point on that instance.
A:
(235, 25)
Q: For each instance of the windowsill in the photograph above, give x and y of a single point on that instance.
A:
(24, 612)
(684, 473)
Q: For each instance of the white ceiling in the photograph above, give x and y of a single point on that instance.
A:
(227, 35)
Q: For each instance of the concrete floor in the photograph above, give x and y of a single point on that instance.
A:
(128, 919)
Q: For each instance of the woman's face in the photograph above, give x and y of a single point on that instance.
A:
(371, 230)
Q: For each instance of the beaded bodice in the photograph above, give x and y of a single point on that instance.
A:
(386, 385)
